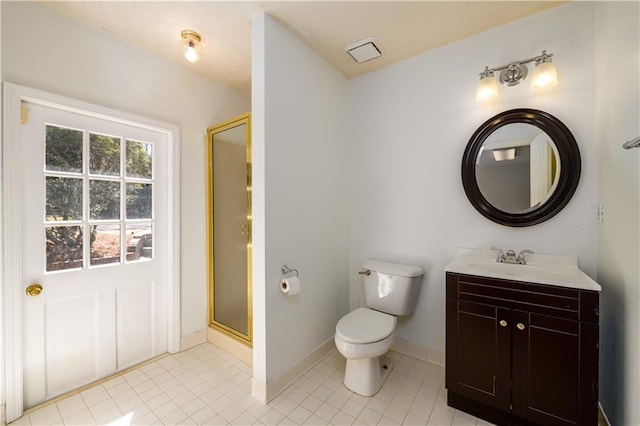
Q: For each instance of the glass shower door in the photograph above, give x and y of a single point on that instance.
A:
(229, 155)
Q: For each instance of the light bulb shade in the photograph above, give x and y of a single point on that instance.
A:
(487, 88)
(544, 75)
(192, 53)
(191, 45)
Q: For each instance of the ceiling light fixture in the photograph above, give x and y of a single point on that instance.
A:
(504, 154)
(544, 75)
(191, 45)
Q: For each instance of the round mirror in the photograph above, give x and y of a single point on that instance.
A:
(521, 167)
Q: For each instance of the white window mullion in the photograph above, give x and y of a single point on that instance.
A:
(86, 234)
(123, 204)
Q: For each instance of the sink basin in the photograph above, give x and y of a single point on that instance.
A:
(528, 271)
(554, 270)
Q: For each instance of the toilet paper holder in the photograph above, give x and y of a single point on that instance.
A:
(285, 270)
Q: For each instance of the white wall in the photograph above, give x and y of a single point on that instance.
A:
(410, 123)
(300, 197)
(47, 51)
(2, 344)
(618, 109)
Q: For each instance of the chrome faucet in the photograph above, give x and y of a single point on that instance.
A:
(510, 256)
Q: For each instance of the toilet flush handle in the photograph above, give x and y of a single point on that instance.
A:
(365, 272)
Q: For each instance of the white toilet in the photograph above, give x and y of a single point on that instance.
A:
(364, 335)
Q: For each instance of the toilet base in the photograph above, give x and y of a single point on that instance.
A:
(365, 376)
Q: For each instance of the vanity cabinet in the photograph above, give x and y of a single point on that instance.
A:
(521, 353)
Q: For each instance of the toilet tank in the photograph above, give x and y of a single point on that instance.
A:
(392, 287)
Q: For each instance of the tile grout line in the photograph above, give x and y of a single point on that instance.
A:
(91, 385)
(413, 391)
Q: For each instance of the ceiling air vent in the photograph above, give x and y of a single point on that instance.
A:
(364, 50)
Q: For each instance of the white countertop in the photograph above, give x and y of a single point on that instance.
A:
(561, 271)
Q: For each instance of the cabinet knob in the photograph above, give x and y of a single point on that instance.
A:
(520, 326)
(503, 323)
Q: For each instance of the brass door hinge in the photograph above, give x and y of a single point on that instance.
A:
(24, 113)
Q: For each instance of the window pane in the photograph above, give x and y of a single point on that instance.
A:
(139, 242)
(105, 244)
(64, 247)
(63, 149)
(139, 159)
(104, 155)
(104, 199)
(139, 201)
(64, 199)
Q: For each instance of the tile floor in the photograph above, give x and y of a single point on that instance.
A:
(205, 385)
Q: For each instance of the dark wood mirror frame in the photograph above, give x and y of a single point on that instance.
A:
(569, 159)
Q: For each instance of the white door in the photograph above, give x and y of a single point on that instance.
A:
(94, 235)
(540, 167)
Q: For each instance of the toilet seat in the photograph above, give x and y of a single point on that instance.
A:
(364, 326)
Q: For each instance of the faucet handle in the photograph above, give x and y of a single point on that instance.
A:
(500, 258)
(521, 259)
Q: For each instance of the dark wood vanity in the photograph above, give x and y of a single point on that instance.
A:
(521, 353)
(522, 335)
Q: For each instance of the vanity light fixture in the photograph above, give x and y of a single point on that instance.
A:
(487, 88)
(544, 75)
(191, 45)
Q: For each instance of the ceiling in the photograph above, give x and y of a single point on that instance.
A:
(402, 28)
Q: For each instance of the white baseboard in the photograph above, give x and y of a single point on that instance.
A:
(259, 390)
(602, 415)
(405, 347)
(194, 339)
(3, 415)
(265, 392)
(230, 345)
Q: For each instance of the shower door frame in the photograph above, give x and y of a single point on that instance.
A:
(247, 339)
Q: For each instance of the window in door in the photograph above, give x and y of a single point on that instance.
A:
(99, 199)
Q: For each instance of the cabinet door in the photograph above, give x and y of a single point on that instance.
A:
(479, 367)
(546, 360)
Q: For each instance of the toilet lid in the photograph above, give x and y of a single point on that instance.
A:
(365, 326)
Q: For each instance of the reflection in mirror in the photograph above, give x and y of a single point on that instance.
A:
(517, 168)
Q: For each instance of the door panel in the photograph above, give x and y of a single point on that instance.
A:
(484, 353)
(546, 350)
(71, 357)
(135, 324)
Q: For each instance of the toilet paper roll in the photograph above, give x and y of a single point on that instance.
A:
(290, 286)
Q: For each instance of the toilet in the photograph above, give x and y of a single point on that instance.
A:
(365, 334)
